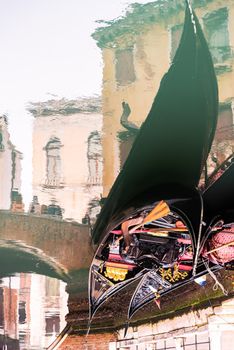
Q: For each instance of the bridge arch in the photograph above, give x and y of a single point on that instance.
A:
(43, 245)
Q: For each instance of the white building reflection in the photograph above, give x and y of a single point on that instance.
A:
(67, 158)
(209, 328)
(10, 171)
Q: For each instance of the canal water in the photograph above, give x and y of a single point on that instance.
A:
(60, 154)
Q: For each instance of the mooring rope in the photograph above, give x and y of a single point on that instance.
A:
(217, 283)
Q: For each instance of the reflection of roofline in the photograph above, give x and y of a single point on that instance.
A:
(65, 106)
(137, 19)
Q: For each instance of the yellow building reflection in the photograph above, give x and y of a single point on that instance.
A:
(137, 50)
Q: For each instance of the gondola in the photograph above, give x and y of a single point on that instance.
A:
(151, 225)
(218, 223)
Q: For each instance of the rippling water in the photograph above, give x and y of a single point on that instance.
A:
(78, 147)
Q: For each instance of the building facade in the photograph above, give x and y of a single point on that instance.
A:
(67, 158)
(137, 51)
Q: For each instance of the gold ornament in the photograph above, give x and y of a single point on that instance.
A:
(173, 275)
(116, 274)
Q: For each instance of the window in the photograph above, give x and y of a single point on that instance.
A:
(124, 67)
(94, 155)
(53, 162)
(196, 342)
(22, 312)
(216, 29)
(52, 324)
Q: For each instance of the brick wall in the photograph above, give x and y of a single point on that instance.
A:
(92, 342)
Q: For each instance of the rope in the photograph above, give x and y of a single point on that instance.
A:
(217, 283)
(199, 237)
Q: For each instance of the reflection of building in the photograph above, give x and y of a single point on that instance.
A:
(48, 301)
(32, 310)
(10, 171)
(9, 299)
(137, 51)
(67, 156)
(206, 329)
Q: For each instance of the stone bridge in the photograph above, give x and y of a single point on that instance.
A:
(43, 245)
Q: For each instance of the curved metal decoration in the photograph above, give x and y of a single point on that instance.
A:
(148, 289)
(102, 288)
